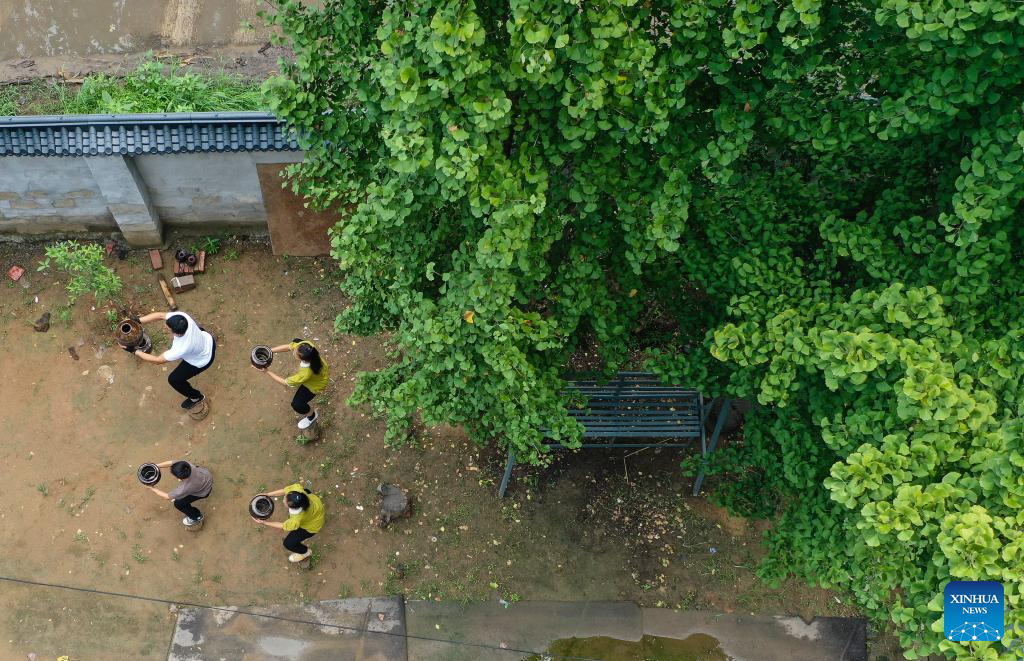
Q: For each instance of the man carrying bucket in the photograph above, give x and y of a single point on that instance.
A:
(195, 484)
(193, 346)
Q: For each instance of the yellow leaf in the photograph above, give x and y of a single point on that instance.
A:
(632, 293)
(467, 316)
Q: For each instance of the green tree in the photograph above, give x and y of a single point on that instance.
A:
(816, 205)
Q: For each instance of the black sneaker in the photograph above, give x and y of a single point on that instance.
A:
(188, 403)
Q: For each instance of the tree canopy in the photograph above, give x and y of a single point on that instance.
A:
(814, 205)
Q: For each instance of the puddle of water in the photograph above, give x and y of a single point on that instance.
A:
(39, 28)
(698, 647)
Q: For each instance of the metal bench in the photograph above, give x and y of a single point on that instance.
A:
(637, 407)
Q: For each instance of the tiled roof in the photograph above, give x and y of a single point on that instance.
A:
(171, 133)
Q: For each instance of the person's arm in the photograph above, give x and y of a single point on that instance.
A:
(280, 492)
(164, 464)
(269, 524)
(275, 377)
(281, 348)
(152, 316)
(156, 360)
(160, 493)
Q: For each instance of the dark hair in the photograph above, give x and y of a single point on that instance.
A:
(181, 469)
(297, 499)
(178, 324)
(308, 353)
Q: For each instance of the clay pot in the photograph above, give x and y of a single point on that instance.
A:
(130, 335)
(261, 507)
(149, 474)
(261, 356)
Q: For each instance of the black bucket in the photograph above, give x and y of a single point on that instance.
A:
(261, 356)
(261, 507)
(149, 474)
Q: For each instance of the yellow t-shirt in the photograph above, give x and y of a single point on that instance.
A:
(305, 376)
(312, 518)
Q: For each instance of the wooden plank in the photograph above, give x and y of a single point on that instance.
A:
(167, 293)
(295, 229)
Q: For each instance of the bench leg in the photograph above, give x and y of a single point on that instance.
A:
(508, 472)
(711, 445)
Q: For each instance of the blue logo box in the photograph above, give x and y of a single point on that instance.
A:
(973, 611)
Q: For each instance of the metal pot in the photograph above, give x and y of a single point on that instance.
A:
(261, 356)
(149, 474)
(181, 255)
(131, 335)
(261, 507)
(191, 259)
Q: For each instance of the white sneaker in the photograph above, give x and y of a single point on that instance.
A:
(188, 521)
(306, 423)
(299, 557)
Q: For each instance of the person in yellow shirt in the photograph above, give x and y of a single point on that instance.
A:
(305, 519)
(309, 381)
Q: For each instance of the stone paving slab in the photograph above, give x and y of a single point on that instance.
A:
(441, 631)
(529, 626)
(766, 638)
(374, 630)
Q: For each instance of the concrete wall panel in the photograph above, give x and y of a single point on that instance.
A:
(40, 195)
(202, 192)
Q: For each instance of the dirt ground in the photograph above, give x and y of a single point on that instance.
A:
(594, 526)
(251, 62)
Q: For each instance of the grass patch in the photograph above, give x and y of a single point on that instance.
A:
(155, 86)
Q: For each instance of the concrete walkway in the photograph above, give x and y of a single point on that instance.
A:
(344, 630)
(376, 629)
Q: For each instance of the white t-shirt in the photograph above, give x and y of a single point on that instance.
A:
(195, 347)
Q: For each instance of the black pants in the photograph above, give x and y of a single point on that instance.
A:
(300, 402)
(184, 505)
(293, 540)
(179, 376)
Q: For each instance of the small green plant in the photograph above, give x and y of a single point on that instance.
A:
(62, 313)
(81, 537)
(344, 592)
(43, 489)
(112, 319)
(84, 263)
(232, 255)
(174, 555)
(302, 439)
(138, 555)
(211, 245)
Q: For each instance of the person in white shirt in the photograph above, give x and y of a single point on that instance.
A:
(190, 344)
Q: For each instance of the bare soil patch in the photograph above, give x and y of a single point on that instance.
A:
(74, 513)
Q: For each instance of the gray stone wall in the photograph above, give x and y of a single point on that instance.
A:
(70, 196)
(41, 195)
(204, 189)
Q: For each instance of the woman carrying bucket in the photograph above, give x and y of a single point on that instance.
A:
(306, 518)
(309, 381)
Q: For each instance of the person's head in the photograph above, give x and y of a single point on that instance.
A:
(177, 323)
(307, 353)
(297, 502)
(181, 469)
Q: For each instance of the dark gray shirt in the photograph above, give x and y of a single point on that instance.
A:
(199, 483)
